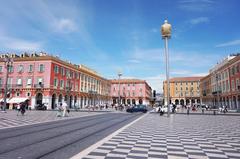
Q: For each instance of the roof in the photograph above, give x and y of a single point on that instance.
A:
(184, 79)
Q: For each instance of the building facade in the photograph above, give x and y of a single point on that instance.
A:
(130, 91)
(183, 90)
(224, 84)
(47, 79)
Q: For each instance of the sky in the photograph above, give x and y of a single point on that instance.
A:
(124, 35)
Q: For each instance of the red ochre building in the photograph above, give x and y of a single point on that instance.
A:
(221, 87)
(132, 91)
(43, 78)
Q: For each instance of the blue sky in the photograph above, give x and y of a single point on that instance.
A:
(111, 35)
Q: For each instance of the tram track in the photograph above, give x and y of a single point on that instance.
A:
(60, 134)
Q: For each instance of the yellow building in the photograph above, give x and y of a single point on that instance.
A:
(183, 90)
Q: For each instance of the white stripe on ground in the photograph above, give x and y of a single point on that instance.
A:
(86, 151)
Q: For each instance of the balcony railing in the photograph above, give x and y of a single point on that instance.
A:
(39, 86)
(68, 88)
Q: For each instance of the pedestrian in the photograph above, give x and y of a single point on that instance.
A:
(18, 108)
(64, 108)
(59, 110)
(22, 108)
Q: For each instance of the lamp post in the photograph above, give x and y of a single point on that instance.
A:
(166, 34)
(8, 63)
(119, 97)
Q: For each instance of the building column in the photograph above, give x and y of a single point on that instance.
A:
(33, 102)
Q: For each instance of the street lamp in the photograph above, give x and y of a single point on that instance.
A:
(119, 97)
(8, 63)
(166, 34)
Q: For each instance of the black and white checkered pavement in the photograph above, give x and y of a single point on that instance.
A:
(11, 119)
(177, 137)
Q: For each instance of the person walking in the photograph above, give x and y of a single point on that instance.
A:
(64, 108)
(59, 110)
(22, 108)
(18, 108)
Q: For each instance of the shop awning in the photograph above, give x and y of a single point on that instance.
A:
(17, 100)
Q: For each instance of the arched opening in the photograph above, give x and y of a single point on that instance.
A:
(39, 98)
(234, 102)
(54, 105)
(75, 102)
(60, 98)
(198, 100)
(128, 101)
(182, 102)
(66, 98)
(238, 102)
(227, 101)
(114, 101)
(193, 101)
(176, 101)
(124, 101)
(70, 101)
(133, 102)
(187, 101)
(140, 101)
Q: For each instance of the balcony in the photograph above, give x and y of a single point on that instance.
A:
(68, 88)
(38, 86)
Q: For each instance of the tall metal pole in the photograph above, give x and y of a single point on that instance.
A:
(166, 34)
(167, 73)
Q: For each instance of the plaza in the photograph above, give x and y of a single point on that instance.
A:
(177, 137)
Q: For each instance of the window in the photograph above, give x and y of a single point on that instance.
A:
(55, 82)
(191, 83)
(1, 69)
(41, 68)
(17, 94)
(10, 69)
(20, 68)
(40, 81)
(186, 83)
(0, 81)
(29, 81)
(28, 94)
(56, 69)
(9, 81)
(233, 85)
(30, 68)
(19, 81)
(61, 83)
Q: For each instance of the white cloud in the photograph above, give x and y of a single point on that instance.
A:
(180, 72)
(196, 5)
(133, 61)
(199, 20)
(229, 43)
(19, 44)
(154, 30)
(200, 74)
(65, 25)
